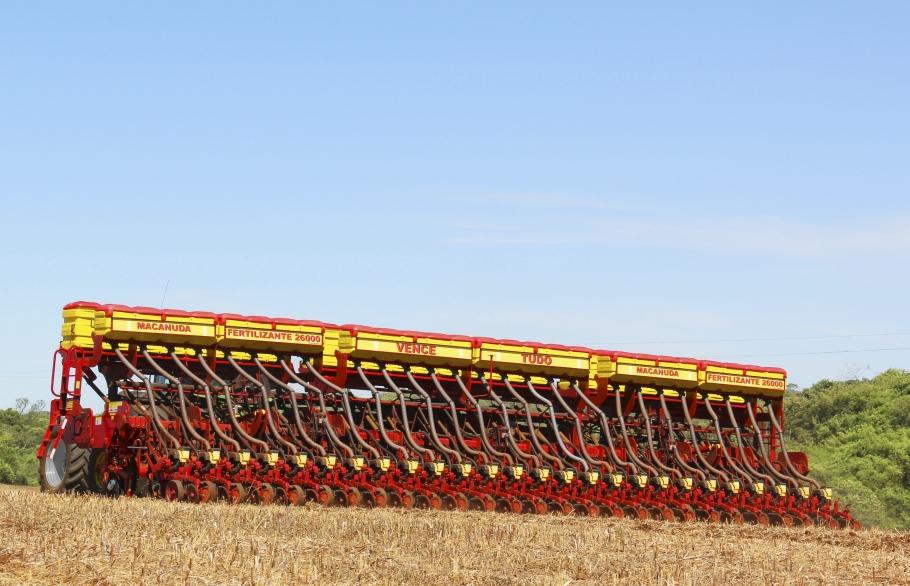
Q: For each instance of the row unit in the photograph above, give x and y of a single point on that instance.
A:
(116, 323)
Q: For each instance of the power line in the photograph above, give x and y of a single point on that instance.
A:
(780, 339)
(820, 352)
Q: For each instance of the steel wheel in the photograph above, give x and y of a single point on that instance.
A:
(174, 490)
(266, 493)
(208, 491)
(380, 498)
(191, 493)
(353, 496)
(296, 496)
(236, 493)
(325, 496)
(461, 501)
(689, 513)
(407, 499)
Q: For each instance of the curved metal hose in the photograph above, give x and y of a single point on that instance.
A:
(675, 473)
(458, 435)
(532, 431)
(484, 440)
(739, 440)
(608, 433)
(625, 437)
(668, 421)
(562, 445)
(336, 441)
(301, 428)
(398, 449)
(743, 475)
(230, 406)
(578, 430)
(783, 450)
(510, 440)
(181, 400)
(208, 402)
(769, 467)
(406, 423)
(450, 453)
(156, 420)
(346, 408)
(265, 404)
(701, 458)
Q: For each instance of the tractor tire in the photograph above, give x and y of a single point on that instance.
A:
(66, 470)
(97, 479)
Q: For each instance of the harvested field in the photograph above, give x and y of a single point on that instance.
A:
(91, 540)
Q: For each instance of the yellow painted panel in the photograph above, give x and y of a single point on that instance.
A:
(142, 327)
(647, 371)
(257, 335)
(524, 359)
(331, 340)
(408, 350)
(657, 375)
(78, 327)
(739, 383)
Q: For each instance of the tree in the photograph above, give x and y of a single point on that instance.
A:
(21, 430)
(857, 436)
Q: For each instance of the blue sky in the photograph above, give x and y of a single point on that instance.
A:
(699, 179)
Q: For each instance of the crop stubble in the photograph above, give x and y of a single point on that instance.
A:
(91, 540)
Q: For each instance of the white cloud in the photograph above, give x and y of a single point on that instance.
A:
(554, 224)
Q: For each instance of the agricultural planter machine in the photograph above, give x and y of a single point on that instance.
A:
(204, 407)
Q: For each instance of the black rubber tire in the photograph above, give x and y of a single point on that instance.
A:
(143, 487)
(67, 471)
(95, 481)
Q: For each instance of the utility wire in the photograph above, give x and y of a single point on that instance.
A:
(780, 339)
(820, 352)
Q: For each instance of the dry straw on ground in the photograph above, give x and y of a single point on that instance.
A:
(46, 539)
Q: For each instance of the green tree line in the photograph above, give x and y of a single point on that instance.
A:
(21, 430)
(856, 433)
(857, 436)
